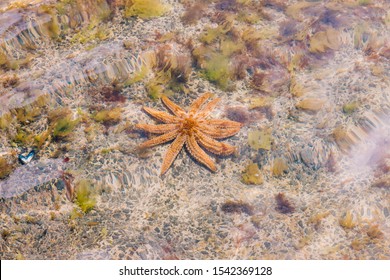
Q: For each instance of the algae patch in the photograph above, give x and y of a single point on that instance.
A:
(252, 175)
(260, 139)
(145, 9)
(85, 197)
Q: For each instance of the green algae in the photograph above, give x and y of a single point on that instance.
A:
(92, 33)
(279, 167)
(64, 127)
(23, 137)
(252, 175)
(216, 70)
(85, 196)
(138, 76)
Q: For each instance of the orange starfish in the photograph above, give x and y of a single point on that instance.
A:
(190, 128)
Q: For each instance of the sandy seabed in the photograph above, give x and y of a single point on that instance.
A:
(309, 81)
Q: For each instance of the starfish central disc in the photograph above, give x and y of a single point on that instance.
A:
(188, 125)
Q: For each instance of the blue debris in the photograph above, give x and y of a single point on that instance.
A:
(26, 159)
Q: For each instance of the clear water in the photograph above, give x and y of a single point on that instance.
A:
(309, 81)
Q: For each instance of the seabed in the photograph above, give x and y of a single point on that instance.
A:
(308, 80)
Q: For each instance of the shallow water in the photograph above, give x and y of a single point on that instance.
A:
(309, 81)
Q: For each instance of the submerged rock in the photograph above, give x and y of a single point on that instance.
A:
(28, 176)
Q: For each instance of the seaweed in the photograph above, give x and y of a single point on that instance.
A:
(342, 138)
(347, 221)
(193, 13)
(316, 219)
(351, 107)
(155, 87)
(288, 29)
(145, 9)
(107, 93)
(333, 18)
(216, 70)
(85, 197)
(58, 113)
(212, 34)
(109, 116)
(296, 88)
(53, 26)
(374, 232)
(68, 180)
(252, 175)
(27, 114)
(237, 207)
(283, 205)
(64, 127)
(10, 81)
(262, 105)
(31, 112)
(171, 72)
(325, 40)
(5, 233)
(383, 182)
(260, 139)
(5, 167)
(91, 33)
(258, 80)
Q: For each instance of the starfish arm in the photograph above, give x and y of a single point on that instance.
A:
(161, 116)
(198, 153)
(207, 108)
(175, 109)
(221, 123)
(214, 146)
(195, 106)
(158, 128)
(159, 139)
(172, 152)
(218, 132)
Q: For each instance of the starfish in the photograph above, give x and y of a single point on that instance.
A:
(191, 129)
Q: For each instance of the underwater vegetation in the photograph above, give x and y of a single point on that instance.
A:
(63, 128)
(260, 139)
(347, 221)
(237, 207)
(194, 12)
(311, 104)
(283, 205)
(109, 116)
(252, 175)
(170, 69)
(351, 107)
(5, 167)
(279, 167)
(145, 9)
(25, 159)
(85, 197)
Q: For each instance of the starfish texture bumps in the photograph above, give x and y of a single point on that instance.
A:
(191, 129)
